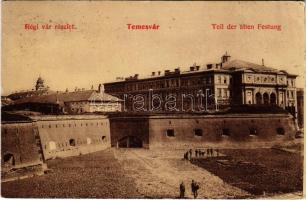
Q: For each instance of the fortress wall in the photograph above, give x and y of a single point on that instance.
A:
(21, 141)
(71, 137)
(229, 130)
(221, 129)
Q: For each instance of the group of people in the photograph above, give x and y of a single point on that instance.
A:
(200, 153)
(194, 188)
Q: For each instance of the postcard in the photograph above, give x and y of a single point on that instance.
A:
(152, 99)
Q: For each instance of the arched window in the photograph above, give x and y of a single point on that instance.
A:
(9, 159)
(258, 98)
(272, 98)
(266, 98)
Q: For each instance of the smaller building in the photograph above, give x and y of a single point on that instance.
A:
(85, 101)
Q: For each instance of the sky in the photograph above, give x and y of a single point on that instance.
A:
(102, 47)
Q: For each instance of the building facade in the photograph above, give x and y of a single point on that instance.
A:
(201, 87)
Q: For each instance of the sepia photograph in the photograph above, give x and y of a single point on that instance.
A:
(152, 99)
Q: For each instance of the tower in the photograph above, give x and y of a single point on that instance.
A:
(39, 84)
(225, 58)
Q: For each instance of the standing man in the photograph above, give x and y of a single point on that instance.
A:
(190, 153)
(194, 189)
(182, 190)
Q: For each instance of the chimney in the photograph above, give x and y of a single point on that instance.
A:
(191, 68)
(153, 73)
(158, 72)
(197, 67)
(101, 88)
(177, 70)
(209, 66)
(263, 62)
(136, 76)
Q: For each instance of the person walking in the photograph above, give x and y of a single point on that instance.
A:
(182, 190)
(194, 188)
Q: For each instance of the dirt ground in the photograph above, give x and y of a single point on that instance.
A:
(157, 174)
(123, 173)
(96, 175)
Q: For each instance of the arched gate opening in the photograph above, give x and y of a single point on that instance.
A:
(129, 142)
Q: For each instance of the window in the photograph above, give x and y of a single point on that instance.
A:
(72, 142)
(219, 79)
(280, 131)
(52, 145)
(225, 92)
(9, 159)
(224, 79)
(170, 133)
(226, 132)
(253, 131)
(219, 92)
(103, 137)
(198, 132)
(209, 80)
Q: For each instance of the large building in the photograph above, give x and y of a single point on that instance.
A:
(217, 85)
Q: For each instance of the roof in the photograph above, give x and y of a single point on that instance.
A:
(24, 94)
(230, 66)
(240, 64)
(61, 97)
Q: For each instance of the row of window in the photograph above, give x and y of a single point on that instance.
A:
(73, 125)
(223, 92)
(167, 83)
(225, 132)
(223, 79)
(72, 143)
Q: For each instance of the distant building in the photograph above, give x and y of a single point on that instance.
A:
(40, 89)
(85, 101)
(224, 84)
